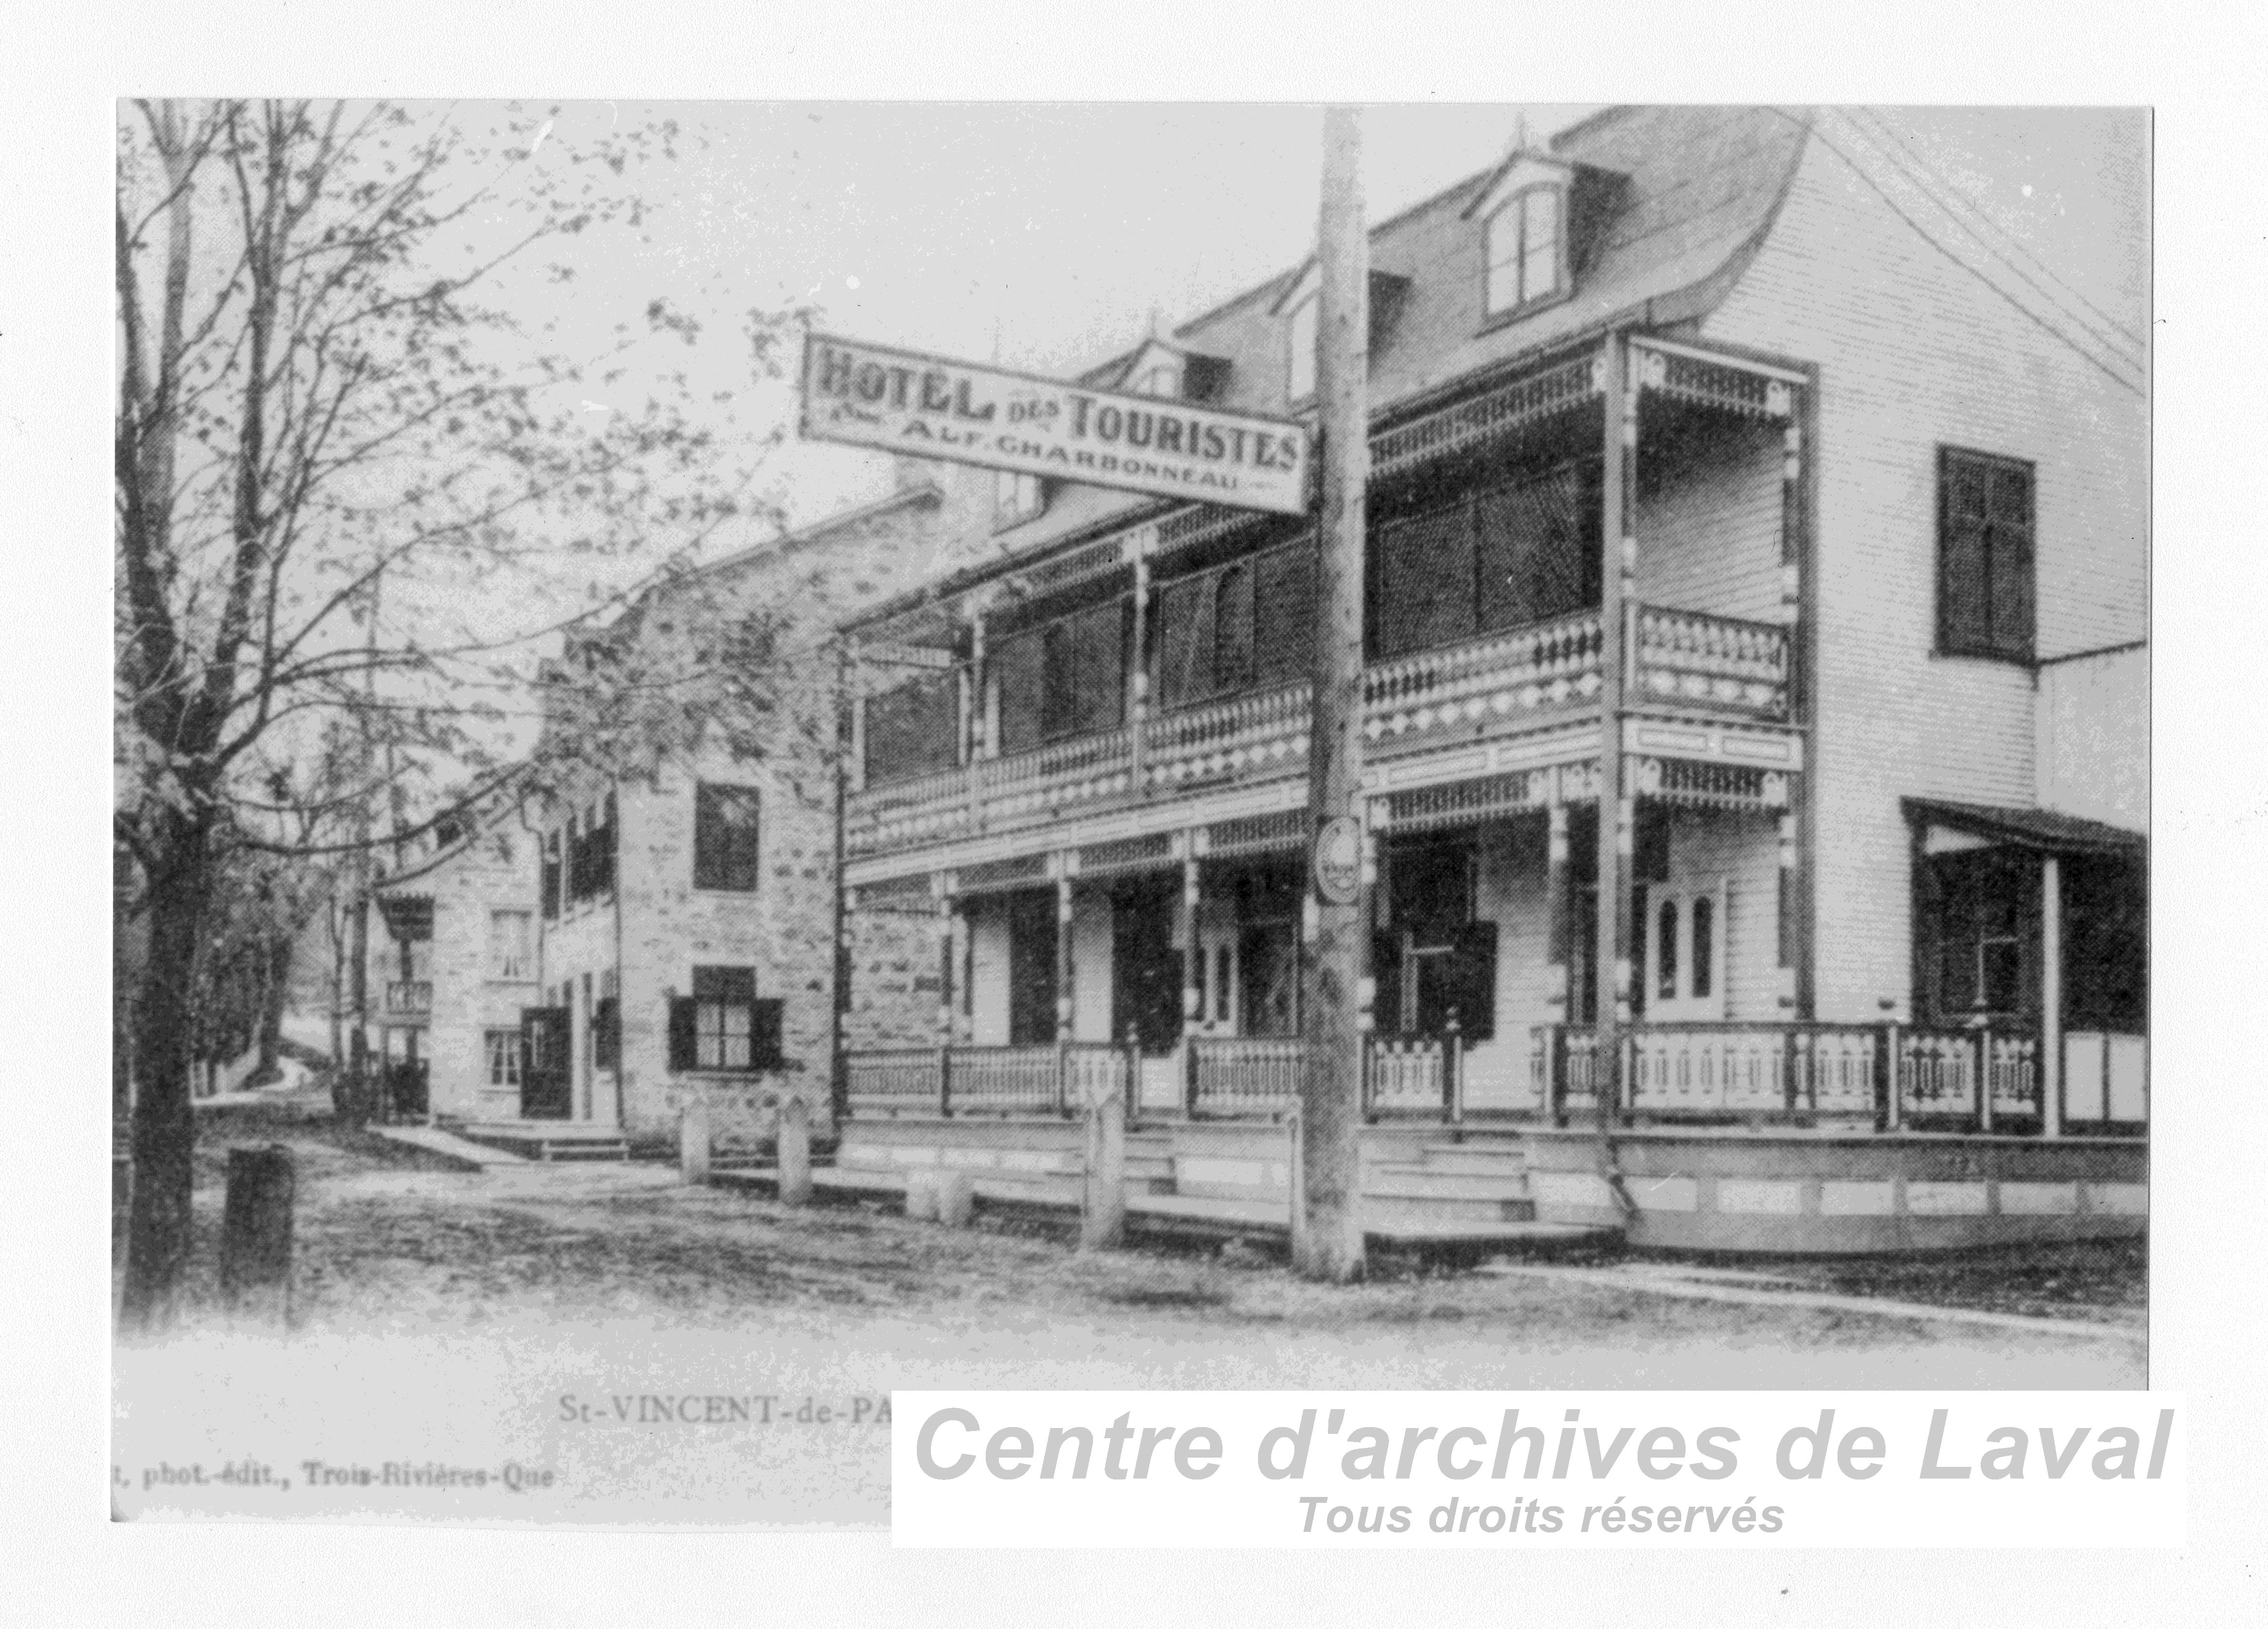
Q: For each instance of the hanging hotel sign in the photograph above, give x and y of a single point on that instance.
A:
(916, 405)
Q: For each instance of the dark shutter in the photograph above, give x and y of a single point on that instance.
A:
(551, 876)
(914, 729)
(1185, 642)
(1386, 980)
(2011, 508)
(1473, 977)
(1283, 614)
(1098, 668)
(1017, 665)
(607, 1033)
(1533, 548)
(764, 1033)
(683, 1031)
(1231, 629)
(1985, 567)
(1424, 582)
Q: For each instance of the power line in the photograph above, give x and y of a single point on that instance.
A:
(1942, 190)
(1938, 244)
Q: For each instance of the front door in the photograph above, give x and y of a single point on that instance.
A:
(1145, 969)
(546, 1090)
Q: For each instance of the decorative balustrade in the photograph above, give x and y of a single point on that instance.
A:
(1412, 1075)
(1687, 659)
(1500, 683)
(1251, 736)
(409, 997)
(1500, 677)
(1083, 768)
(1939, 1080)
(1234, 1077)
(1031, 1082)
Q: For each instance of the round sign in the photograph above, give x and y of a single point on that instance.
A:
(1338, 861)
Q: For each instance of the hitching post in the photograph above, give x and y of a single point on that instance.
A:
(795, 1152)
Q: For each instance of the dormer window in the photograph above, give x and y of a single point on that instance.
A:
(1526, 242)
(1016, 498)
(1161, 379)
(1302, 342)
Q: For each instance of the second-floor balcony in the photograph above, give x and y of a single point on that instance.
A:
(1508, 682)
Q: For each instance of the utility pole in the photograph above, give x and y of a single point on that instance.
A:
(1327, 1239)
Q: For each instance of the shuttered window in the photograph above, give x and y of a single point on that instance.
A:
(722, 1026)
(1067, 678)
(1984, 555)
(1537, 547)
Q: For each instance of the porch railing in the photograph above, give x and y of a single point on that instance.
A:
(1242, 1077)
(1719, 662)
(1042, 1082)
(1499, 683)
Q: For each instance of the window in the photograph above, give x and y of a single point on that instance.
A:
(1985, 559)
(1437, 961)
(509, 942)
(722, 1026)
(1681, 947)
(504, 1058)
(1523, 241)
(1302, 352)
(724, 838)
(590, 851)
(1016, 498)
(1160, 379)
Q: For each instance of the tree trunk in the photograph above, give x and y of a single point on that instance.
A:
(157, 1237)
(277, 972)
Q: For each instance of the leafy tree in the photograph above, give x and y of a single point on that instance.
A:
(355, 484)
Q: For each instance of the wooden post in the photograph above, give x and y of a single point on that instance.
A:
(1064, 967)
(794, 1152)
(2051, 996)
(1327, 1239)
(1192, 954)
(948, 909)
(1102, 1211)
(255, 1241)
(693, 1142)
(1559, 899)
(957, 1198)
(1618, 447)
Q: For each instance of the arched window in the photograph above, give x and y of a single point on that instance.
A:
(1705, 946)
(1666, 955)
(1523, 241)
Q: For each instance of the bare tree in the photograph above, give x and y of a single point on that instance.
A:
(323, 389)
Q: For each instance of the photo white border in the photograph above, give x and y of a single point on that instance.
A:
(2189, 61)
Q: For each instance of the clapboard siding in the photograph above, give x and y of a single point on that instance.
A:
(1913, 353)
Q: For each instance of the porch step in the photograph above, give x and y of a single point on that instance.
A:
(1477, 1159)
(1050, 1190)
(1533, 1233)
(1428, 1214)
(1425, 1180)
(541, 1140)
(1272, 1215)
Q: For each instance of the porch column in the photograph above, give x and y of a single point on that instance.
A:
(1617, 817)
(948, 911)
(1558, 916)
(1062, 948)
(976, 735)
(1192, 963)
(1138, 681)
(1788, 880)
(1791, 512)
(2051, 996)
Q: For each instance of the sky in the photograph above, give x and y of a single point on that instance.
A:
(1051, 235)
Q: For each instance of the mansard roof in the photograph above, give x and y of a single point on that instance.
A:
(1683, 198)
